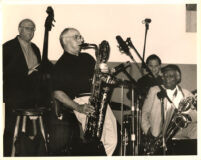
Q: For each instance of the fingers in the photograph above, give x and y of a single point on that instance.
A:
(32, 70)
(88, 109)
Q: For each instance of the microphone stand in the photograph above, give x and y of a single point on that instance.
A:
(145, 39)
(161, 96)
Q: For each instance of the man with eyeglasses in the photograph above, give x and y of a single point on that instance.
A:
(71, 79)
(20, 59)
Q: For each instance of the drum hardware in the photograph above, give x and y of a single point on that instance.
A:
(130, 127)
(134, 136)
(117, 106)
(127, 134)
(126, 84)
(122, 153)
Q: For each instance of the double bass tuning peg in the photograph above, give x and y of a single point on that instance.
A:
(53, 20)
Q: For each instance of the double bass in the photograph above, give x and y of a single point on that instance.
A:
(42, 84)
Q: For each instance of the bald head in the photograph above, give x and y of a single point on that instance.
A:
(26, 21)
(26, 29)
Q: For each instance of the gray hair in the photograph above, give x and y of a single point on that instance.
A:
(61, 35)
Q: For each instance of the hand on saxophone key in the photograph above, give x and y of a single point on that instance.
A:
(86, 109)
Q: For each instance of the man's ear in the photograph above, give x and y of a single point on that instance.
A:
(160, 72)
(19, 30)
(178, 76)
(65, 40)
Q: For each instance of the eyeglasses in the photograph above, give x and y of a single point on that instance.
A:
(75, 37)
(29, 28)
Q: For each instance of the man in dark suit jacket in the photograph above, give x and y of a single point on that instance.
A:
(20, 59)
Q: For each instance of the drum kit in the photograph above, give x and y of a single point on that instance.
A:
(130, 118)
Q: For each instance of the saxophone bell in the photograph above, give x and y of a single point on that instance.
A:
(182, 120)
(185, 104)
(104, 51)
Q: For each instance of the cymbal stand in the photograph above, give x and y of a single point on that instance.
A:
(122, 151)
(133, 137)
(138, 125)
(136, 134)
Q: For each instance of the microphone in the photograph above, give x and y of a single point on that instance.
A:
(122, 44)
(120, 68)
(147, 20)
(162, 94)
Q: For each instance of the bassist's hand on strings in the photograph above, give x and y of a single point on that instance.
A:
(33, 70)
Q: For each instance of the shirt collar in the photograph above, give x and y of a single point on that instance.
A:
(172, 92)
(23, 42)
(67, 53)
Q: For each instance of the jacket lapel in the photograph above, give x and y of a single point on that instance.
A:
(20, 53)
(36, 52)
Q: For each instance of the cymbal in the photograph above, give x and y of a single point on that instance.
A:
(117, 106)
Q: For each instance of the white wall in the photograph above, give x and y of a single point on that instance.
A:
(166, 36)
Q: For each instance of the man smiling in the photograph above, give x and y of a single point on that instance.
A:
(151, 111)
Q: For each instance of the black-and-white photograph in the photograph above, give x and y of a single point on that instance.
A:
(112, 80)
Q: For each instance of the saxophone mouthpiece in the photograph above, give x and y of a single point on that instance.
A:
(84, 45)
